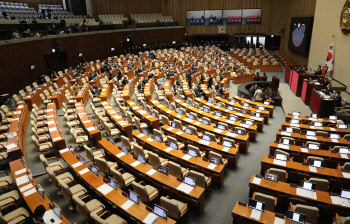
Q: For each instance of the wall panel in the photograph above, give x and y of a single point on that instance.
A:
(16, 59)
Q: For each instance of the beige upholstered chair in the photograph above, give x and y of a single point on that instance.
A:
(41, 147)
(19, 215)
(139, 150)
(180, 145)
(282, 174)
(176, 170)
(221, 159)
(201, 180)
(321, 184)
(111, 218)
(311, 212)
(105, 166)
(155, 160)
(270, 201)
(54, 165)
(176, 209)
(68, 192)
(86, 208)
(60, 174)
(200, 154)
(91, 154)
(147, 193)
(123, 178)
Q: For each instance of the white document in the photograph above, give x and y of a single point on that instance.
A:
(151, 172)
(168, 112)
(178, 116)
(179, 132)
(282, 146)
(187, 120)
(149, 116)
(18, 172)
(311, 137)
(120, 154)
(295, 125)
(203, 142)
(50, 122)
(105, 189)
(279, 221)
(127, 205)
(168, 149)
(256, 181)
(229, 121)
(29, 192)
(211, 166)
(186, 157)
(64, 150)
(142, 112)
(334, 140)
(286, 133)
(49, 215)
(306, 193)
(22, 180)
(149, 139)
(231, 134)
(117, 117)
(244, 125)
(218, 130)
(255, 214)
(56, 139)
(239, 114)
(346, 175)
(11, 146)
(75, 165)
(304, 150)
(185, 188)
(12, 135)
(313, 169)
(87, 121)
(81, 172)
(150, 218)
(169, 128)
(333, 129)
(136, 163)
(216, 117)
(279, 162)
(91, 129)
(225, 149)
(52, 129)
(197, 123)
(27, 187)
(140, 135)
(344, 156)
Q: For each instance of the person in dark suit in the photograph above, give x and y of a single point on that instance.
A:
(221, 90)
(325, 82)
(120, 74)
(318, 71)
(111, 75)
(91, 76)
(189, 80)
(328, 90)
(210, 82)
(125, 81)
(337, 99)
(54, 75)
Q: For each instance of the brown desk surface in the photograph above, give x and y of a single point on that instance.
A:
(252, 129)
(143, 114)
(280, 188)
(32, 200)
(116, 197)
(244, 212)
(54, 129)
(197, 195)
(243, 139)
(230, 153)
(35, 97)
(117, 119)
(60, 95)
(310, 119)
(18, 125)
(83, 94)
(313, 128)
(268, 107)
(106, 91)
(87, 122)
(177, 155)
(320, 139)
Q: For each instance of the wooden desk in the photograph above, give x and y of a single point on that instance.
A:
(197, 164)
(265, 113)
(60, 95)
(267, 107)
(83, 94)
(213, 118)
(168, 91)
(331, 159)
(319, 105)
(242, 78)
(306, 127)
(308, 120)
(143, 115)
(137, 212)
(297, 171)
(129, 88)
(164, 183)
(54, 129)
(243, 140)
(230, 153)
(148, 90)
(96, 80)
(89, 126)
(35, 97)
(308, 86)
(18, 125)
(117, 119)
(300, 139)
(286, 194)
(33, 200)
(106, 91)
(241, 214)
(213, 107)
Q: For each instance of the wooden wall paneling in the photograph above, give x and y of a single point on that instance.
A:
(127, 7)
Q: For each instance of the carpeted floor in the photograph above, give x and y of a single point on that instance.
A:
(219, 201)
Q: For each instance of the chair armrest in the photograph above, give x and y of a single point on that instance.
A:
(339, 166)
(291, 206)
(102, 213)
(152, 192)
(79, 191)
(4, 171)
(96, 208)
(8, 205)
(121, 170)
(143, 183)
(187, 169)
(7, 198)
(337, 218)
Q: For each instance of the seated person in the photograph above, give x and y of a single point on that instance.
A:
(318, 71)
(95, 90)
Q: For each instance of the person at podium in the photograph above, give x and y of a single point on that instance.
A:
(318, 71)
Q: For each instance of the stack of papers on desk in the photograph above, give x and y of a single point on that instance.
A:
(279, 221)
(50, 122)
(22, 180)
(185, 188)
(340, 201)
(169, 128)
(151, 172)
(168, 149)
(120, 154)
(142, 112)
(211, 166)
(304, 150)
(346, 175)
(150, 218)
(282, 146)
(149, 139)
(255, 214)
(18, 172)
(225, 149)
(239, 114)
(231, 134)
(197, 123)
(83, 171)
(105, 189)
(256, 181)
(11, 146)
(344, 156)
(286, 133)
(218, 130)
(75, 165)
(140, 135)
(244, 125)
(136, 163)
(313, 169)
(187, 120)
(179, 132)
(64, 150)
(186, 157)
(203, 142)
(91, 129)
(279, 162)
(127, 205)
(306, 193)
(311, 137)
(26, 187)
(31, 191)
(52, 129)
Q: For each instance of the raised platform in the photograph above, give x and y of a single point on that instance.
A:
(243, 90)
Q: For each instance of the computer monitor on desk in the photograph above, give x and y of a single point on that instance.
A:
(153, 114)
(296, 217)
(246, 104)
(94, 170)
(227, 144)
(343, 150)
(345, 193)
(145, 132)
(41, 191)
(188, 131)
(218, 114)
(233, 118)
(133, 197)
(233, 101)
(266, 103)
(342, 126)
(310, 133)
(239, 132)
(257, 114)
(221, 127)
(192, 153)
(205, 122)
(318, 124)
(206, 138)
(161, 212)
(317, 163)
(141, 159)
(289, 129)
(158, 138)
(333, 117)
(173, 145)
(173, 125)
(214, 160)
(307, 185)
(191, 117)
(257, 205)
(249, 122)
(163, 170)
(206, 109)
(190, 181)
(315, 116)
(56, 210)
(125, 149)
(71, 149)
(281, 157)
(112, 183)
(179, 111)
(111, 140)
(313, 146)
(81, 159)
(334, 136)
(230, 108)
(261, 108)
(286, 141)
(294, 121)
(271, 177)
(296, 113)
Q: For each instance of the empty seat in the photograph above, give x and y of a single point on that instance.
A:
(176, 209)
(282, 174)
(123, 178)
(155, 160)
(311, 212)
(201, 180)
(176, 170)
(91, 154)
(270, 201)
(147, 193)
(321, 184)
(196, 149)
(105, 166)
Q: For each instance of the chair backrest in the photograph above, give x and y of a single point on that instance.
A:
(44, 160)
(65, 190)
(171, 207)
(126, 142)
(207, 119)
(267, 199)
(178, 124)
(4, 108)
(165, 120)
(138, 150)
(118, 177)
(278, 151)
(347, 136)
(322, 133)
(89, 153)
(310, 212)
(102, 164)
(219, 156)
(321, 184)
(194, 115)
(242, 129)
(155, 112)
(137, 123)
(211, 135)
(200, 178)
(282, 174)
(80, 205)
(230, 140)
(141, 191)
(195, 149)
(52, 176)
(175, 169)
(153, 159)
(346, 166)
(310, 142)
(193, 129)
(310, 158)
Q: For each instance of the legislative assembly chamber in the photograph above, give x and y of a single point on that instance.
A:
(174, 111)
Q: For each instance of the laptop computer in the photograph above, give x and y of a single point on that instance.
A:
(296, 217)
(257, 205)
(307, 185)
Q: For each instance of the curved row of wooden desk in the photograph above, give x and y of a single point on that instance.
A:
(89, 126)
(169, 184)
(306, 127)
(35, 96)
(308, 120)
(83, 94)
(54, 129)
(267, 107)
(138, 212)
(60, 95)
(143, 115)
(107, 91)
